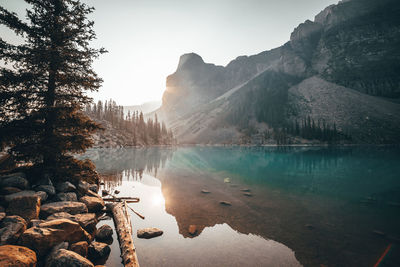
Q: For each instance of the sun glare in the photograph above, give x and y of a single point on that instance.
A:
(157, 200)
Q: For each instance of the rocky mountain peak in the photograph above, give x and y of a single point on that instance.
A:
(190, 61)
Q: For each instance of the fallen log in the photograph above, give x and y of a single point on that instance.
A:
(123, 228)
(120, 200)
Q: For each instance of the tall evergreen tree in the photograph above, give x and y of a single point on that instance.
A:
(44, 90)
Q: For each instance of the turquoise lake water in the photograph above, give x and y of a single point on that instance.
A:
(289, 206)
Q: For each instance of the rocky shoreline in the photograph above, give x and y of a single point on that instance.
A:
(51, 225)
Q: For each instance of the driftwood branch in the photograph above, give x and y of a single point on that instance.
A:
(137, 213)
(123, 227)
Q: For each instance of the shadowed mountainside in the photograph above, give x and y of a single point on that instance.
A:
(340, 72)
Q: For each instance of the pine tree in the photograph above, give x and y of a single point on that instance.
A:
(44, 90)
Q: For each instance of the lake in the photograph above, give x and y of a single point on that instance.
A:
(289, 206)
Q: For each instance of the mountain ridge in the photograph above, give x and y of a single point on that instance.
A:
(349, 48)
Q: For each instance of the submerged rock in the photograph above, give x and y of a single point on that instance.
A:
(205, 191)
(149, 232)
(81, 248)
(63, 206)
(192, 229)
(225, 203)
(247, 194)
(65, 187)
(17, 256)
(11, 228)
(245, 190)
(104, 232)
(2, 216)
(63, 258)
(93, 204)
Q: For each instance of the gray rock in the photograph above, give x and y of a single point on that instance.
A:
(25, 205)
(48, 234)
(63, 206)
(83, 187)
(9, 190)
(42, 195)
(81, 248)
(93, 204)
(104, 232)
(93, 187)
(63, 258)
(87, 221)
(14, 180)
(98, 250)
(49, 189)
(11, 227)
(36, 222)
(149, 232)
(65, 187)
(69, 196)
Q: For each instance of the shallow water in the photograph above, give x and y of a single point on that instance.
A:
(308, 206)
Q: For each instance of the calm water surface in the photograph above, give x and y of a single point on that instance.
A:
(308, 206)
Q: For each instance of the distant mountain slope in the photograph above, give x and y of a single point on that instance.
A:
(145, 107)
(327, 81)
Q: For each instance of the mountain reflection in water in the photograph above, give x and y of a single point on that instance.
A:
(307, 205)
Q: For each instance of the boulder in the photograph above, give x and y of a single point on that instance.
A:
(26, 206)
(9, 190)
(17, 180)
(65, 187)
(63, 206)
(17, 256)
(98, 250)
(83, 187)
(11, 227)
(104, 233)
(36, 222)
(48, 234)
(149, 232)
(63, 258)
(69, 196)
(49, 189)
(42, 195)
(93, 187)
(81, 248)
(93, 203)
(87, 221)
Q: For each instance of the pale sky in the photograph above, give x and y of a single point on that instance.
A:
(145, 38)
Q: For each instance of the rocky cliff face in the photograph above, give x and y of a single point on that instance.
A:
(352, 46)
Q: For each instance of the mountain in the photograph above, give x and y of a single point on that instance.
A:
(146, 107)
(336, 80)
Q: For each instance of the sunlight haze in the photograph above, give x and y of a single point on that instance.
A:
(146, 38)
